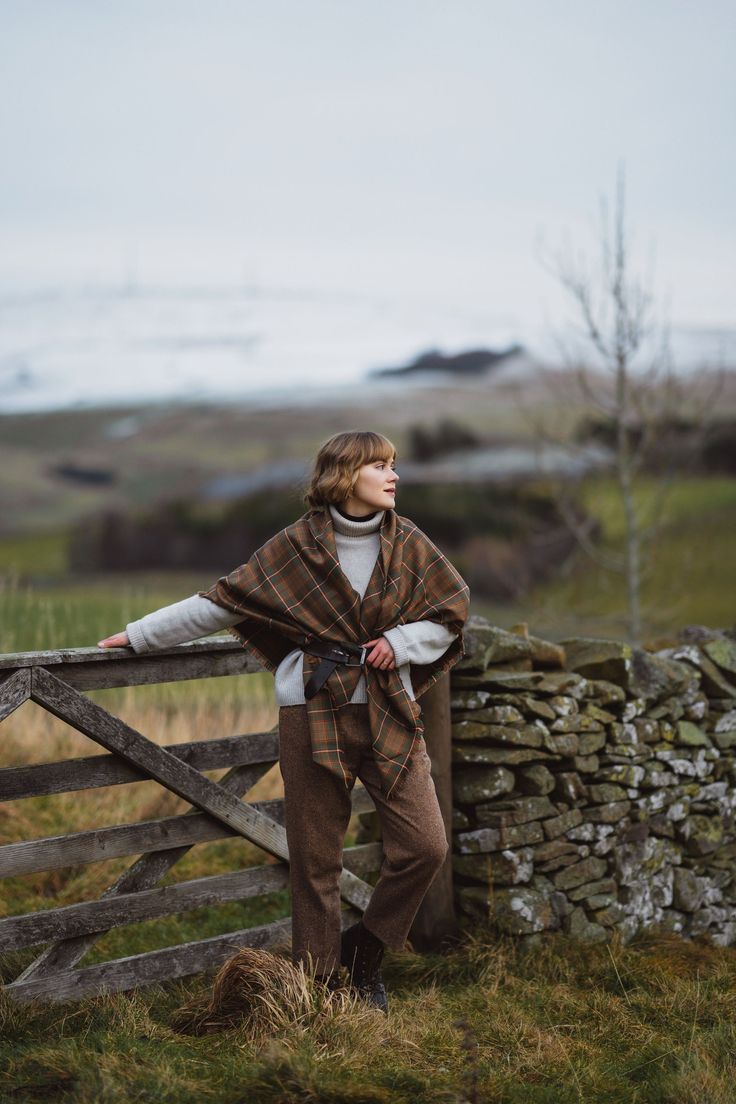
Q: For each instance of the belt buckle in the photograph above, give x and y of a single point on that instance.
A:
(363, 654)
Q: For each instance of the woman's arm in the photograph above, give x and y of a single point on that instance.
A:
(419, 641)
(186, 620)
(415, 642)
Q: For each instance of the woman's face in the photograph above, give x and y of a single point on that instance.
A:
(375, 488)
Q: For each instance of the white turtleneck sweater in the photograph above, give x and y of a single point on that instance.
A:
(358, 544)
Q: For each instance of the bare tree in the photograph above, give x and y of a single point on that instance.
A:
(639, 404)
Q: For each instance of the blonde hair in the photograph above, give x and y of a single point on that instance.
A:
(335, 469)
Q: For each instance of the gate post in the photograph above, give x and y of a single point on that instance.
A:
(435, 921)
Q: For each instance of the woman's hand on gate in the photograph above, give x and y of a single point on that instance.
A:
(382, 655)
(119, 640)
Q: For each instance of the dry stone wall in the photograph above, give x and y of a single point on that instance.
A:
(595, 784)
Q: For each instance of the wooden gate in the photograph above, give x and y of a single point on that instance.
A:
(55, 681)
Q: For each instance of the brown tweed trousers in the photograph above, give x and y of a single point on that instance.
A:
(317, 811)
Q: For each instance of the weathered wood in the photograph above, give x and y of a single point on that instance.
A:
(143, 874)
(91, 719)
(435, 921)
(135, 758)
(152, 967)
(68, 921)
(158, 667)
(15, 688)
(94, 771)
(118, 840)
(130, 908)
(100, 668)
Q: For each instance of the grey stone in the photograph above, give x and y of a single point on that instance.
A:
(610, 916)
(600, 901)
(702, 834)
(515, 835)
(480, 753)
(691, 735)
(713, 681)
(460, 819)
(722, 650)
(555, 854)
(557, 826)
(602, 792)
(479, 840)
(468, 699)
(606, 693)
(473, 784)
(580, 927)
(497, 839)
(538, 708)
(562, 743)
(589, 742)
(512, 867)
(495, 714)
(726, 722)
(486, 644)
(603, 715)
(536, 779)
(500, 868)
(586, 764)
(570, 787)
(518, 810)
(610, 813)
(528, 735)
(647, 730)
(672, 921)
(523, 909)
(687, 890)
(563, 706)
(597, 658)
(578, 724)
(588, 870)
(628, 774)
(587, 889)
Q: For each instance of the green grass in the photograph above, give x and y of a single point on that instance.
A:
(688, 567)
(37, 554)
(76, 613)
(651, 1023)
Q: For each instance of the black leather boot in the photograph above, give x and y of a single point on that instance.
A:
(361, 951)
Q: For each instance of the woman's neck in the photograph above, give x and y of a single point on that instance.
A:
(347, 526)
(355, 517)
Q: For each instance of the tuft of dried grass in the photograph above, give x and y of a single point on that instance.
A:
(262, 994)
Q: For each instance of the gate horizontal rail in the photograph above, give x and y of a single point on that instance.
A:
(54, 680)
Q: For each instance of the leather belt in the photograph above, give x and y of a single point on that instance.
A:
(331, 655)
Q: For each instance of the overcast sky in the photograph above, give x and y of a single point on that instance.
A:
(413, 146)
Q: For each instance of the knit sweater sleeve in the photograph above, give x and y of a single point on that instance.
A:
(186, 620)
(419, 641)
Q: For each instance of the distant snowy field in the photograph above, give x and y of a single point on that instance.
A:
(111, 345)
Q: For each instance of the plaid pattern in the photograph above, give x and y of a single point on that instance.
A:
(294, 584)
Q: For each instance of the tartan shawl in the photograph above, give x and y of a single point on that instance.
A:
(294, 584)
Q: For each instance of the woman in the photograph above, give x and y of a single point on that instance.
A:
(356, 612)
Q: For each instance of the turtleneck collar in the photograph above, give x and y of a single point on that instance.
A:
(349, 528)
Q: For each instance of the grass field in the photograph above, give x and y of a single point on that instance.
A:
(689, 579)
(651, 1023)
(689, 572)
